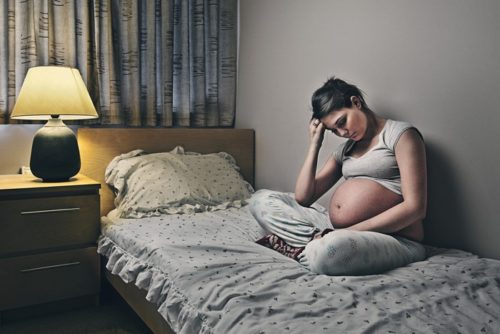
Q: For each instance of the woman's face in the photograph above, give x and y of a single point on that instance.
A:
(347, 122)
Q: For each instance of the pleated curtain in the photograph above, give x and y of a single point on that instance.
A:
(146, 63)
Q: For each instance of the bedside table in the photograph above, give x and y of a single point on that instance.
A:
(48, 235)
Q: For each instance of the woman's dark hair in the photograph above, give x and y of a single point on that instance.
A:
(335, 94)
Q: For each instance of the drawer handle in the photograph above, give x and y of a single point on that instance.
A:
(55, 266)
(37, 212)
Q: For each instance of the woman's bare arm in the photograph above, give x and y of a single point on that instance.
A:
(311, 186)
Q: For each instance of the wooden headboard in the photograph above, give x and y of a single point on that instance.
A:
(98, 146)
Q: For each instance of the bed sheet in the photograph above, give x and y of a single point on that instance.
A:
(206, 274)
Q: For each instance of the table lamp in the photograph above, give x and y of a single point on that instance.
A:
(54, 93)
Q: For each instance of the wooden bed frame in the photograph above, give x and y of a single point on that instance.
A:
(98, 146)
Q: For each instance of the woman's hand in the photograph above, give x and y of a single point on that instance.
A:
(316, 132)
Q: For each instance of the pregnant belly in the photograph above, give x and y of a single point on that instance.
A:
(358, 199)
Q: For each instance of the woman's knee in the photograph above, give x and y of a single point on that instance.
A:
(260, 196)
(266, 199)
(345, 252)
(332, 254)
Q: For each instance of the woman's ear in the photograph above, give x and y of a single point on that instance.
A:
(356, 102)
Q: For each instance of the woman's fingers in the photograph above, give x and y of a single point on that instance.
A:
(316, 126)
(316, 132)
(314, 123)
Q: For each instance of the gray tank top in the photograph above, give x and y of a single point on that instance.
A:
(379, 163)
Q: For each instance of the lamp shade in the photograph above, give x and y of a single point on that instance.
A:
(54, 93)
(53, 90)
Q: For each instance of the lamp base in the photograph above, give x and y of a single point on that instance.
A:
(54, 154)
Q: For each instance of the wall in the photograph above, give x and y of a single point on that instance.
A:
(15, 146)
(432, 63)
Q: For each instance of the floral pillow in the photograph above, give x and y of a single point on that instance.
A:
(175, 182)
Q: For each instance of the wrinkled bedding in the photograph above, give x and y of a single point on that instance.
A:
(206, 274)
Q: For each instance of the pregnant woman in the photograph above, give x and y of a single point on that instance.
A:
(374, 221)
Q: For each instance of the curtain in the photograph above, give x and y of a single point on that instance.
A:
(145, 63)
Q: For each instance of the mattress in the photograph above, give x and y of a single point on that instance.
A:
(206, 274)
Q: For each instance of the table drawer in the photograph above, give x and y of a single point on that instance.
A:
(35, 279)
(47, 222)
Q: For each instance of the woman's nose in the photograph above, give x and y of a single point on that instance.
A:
(343, 132)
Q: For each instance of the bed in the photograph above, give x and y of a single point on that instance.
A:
(202, 272)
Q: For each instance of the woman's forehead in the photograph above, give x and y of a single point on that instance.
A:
(334, 115)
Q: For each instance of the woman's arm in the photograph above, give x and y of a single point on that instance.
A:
(411, 159)
(309, 186)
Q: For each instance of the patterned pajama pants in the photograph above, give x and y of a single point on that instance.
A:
(341, 252)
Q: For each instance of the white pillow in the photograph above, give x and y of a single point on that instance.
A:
(175, 182)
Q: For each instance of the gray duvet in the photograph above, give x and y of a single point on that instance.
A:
(206, 274)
